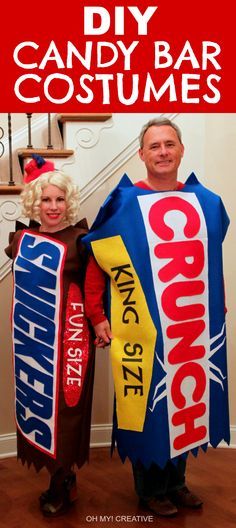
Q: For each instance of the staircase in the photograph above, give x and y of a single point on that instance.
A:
(94, 149)
(23, 154)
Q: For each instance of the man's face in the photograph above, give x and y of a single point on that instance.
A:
(162, 151)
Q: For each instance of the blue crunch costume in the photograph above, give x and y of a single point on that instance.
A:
(162, 253)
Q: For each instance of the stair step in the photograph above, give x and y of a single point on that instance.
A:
(11, 189)
(45, 153)
(78, 118)
(63, 118)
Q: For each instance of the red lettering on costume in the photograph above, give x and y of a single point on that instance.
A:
(76, 347)
(189, 331)
(192, 370)
(187, 418)
(180, 276)
(161, 207)
(182, 289)
(179, 252)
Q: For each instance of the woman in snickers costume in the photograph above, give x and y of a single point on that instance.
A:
(52, 345)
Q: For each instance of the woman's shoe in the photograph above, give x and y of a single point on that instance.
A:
(44, 497)
(61, 494)
(56, 507)
(71, 486)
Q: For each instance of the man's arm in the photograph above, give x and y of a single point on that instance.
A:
(94, 288)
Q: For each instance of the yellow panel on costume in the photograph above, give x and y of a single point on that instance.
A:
(132, 348)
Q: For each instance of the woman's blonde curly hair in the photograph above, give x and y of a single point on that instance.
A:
(32, 192)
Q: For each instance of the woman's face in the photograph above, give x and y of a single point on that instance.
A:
(52, 209)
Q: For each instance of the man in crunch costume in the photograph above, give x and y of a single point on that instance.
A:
(158, 244)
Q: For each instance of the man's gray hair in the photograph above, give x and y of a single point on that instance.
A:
(159, 121)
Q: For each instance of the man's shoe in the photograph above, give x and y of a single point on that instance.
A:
(161, 505)
(184, 497)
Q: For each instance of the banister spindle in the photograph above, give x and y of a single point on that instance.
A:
(1, 144)
(49, 145)
(11, 181)
(29, 117)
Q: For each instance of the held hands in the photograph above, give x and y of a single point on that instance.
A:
(103, 334)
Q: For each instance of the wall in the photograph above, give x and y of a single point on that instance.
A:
(6, 387)
(220, 155)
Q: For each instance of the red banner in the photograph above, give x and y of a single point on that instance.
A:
(117, 57)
